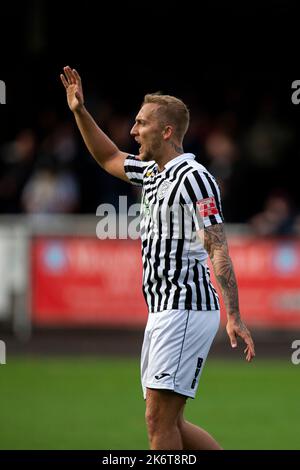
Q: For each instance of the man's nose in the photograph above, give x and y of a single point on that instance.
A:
(133, 131)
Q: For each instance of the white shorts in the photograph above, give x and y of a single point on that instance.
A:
(176, 345)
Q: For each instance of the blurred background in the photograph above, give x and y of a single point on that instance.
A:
(71, 309)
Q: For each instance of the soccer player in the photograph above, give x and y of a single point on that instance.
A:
(180, 198)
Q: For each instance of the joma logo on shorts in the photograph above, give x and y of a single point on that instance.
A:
(161, 376)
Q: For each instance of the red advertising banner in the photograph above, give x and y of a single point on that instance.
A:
(268, 275)
(86, 281)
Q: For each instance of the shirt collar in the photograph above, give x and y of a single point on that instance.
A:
(180, 158)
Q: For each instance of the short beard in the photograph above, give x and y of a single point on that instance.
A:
(152, 153)
(147, 156)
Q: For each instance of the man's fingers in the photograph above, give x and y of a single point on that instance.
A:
(77, 76)
(250, 353)
(249, 342)
(232, 338)
(246, 336)
(64, 81)
(248, 357)
(67, 74)
(240, 330)
(70, 75)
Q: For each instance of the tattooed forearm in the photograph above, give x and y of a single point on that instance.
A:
(216, 245)
(175, 146)
(214, 237)
(225, 276)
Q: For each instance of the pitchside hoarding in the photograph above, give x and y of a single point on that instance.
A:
(86, 281)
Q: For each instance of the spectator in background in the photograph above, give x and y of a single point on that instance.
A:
(222, 154)
(197, 134)
(16, 164)
(269, 138)
(277, 217)
(296, 226)
(51, 190)
(118, 128)
(53, 187)
(223, 161)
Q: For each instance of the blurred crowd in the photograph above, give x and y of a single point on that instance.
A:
(47, 169)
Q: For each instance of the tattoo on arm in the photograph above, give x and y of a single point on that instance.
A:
(175, 146)
(216, 246)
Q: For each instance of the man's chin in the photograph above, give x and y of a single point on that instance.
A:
(145, 157)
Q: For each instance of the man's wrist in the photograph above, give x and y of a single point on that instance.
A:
(233, 316)
(80, 110)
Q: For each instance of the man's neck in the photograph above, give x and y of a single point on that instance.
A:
(168, 155)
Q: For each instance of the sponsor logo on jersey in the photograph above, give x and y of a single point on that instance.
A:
(207, 207)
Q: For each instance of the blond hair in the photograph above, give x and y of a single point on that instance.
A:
(171, 111)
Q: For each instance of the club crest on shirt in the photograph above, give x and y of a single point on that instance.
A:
(162, 191)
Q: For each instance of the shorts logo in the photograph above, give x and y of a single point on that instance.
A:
(161, 376)
(163, 189)
(198, 368)
(207, 207)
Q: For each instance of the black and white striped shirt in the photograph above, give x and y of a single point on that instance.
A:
(176, 203)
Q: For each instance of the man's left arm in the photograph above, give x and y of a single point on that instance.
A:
(215, 243)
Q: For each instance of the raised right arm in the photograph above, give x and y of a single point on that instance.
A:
(104, 151)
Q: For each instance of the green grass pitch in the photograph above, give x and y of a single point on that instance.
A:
(96, 403)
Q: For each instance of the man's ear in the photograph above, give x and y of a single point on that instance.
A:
(167, 132)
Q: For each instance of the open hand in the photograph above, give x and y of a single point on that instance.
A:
(72, 83)
(235, 327)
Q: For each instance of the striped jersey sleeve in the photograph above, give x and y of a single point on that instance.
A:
(134, 169)
(202, 195)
